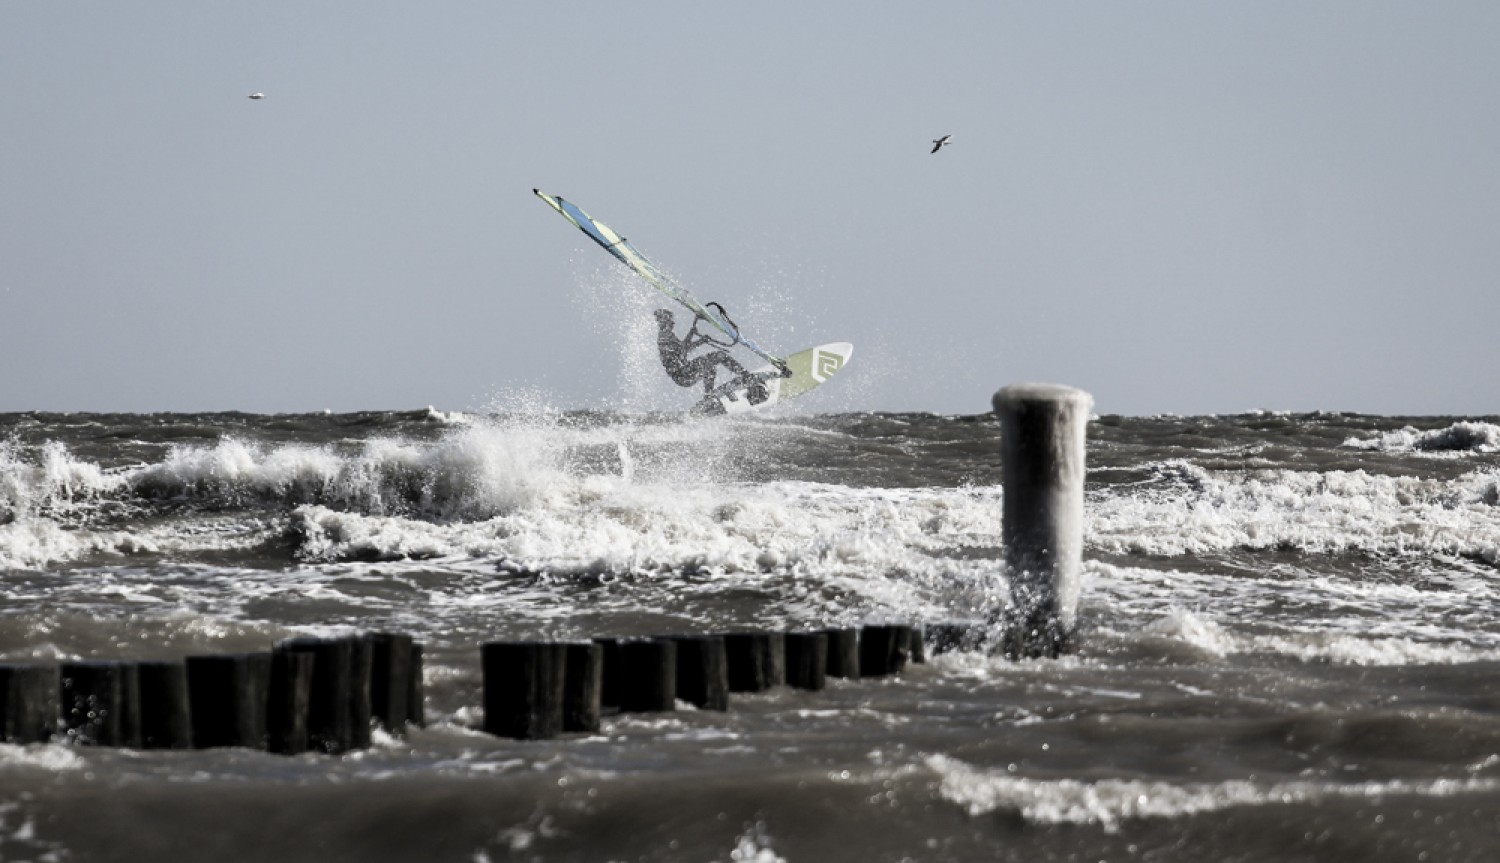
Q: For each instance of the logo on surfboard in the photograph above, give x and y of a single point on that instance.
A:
(825, 364)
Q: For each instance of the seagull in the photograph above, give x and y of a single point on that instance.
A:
(940, 143)
(263, 95)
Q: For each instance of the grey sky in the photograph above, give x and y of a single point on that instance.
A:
(1189, 207)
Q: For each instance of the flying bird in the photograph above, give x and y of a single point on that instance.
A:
(940, 143)
(263, 95)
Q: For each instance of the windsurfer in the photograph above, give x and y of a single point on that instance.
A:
(686, 371)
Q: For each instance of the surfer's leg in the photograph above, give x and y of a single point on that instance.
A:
(710, 406)
(703, 370)
(740, 376)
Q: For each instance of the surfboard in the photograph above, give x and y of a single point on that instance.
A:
(809, 368)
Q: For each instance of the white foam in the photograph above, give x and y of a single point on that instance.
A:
(475, 471)
(754, 846)
(52, 757)
(1198, 632)
(1420, 616)
(1330, 644)
(1109, 803)
(58, 483)
(846, 539)
(1477, 437)
(1194, 511)
(36, 543)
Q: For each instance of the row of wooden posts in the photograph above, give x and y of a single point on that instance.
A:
(307, 694)
(326, 695)
(537, 689)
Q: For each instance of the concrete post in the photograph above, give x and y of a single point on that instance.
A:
(1042, 429)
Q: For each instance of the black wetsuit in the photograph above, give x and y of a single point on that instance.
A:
(686, 371)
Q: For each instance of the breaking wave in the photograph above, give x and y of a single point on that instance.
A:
(1110, 803)
(1479, 437)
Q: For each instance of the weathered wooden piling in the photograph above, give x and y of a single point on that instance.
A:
(416, 711)
(390, 679)
(757, 660)
(610, 685)
(289, 702)
(130, 710)
(29, 702)
(227, 694)
(806, 660)
(843, 652)
(884, 649)
(339, 712)
(1042, 436)
(703, 671)
(166, 712)
(648, 675)
(523, 688)
(96, 702)
(918, 644)
(360, 706)
(583, 681)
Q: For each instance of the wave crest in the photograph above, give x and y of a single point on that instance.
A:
(1477, 437)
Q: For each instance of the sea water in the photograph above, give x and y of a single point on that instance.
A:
(1288, 644)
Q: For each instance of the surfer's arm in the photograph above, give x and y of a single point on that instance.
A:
(694, 339)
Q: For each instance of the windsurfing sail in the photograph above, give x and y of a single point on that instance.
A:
(627, 254)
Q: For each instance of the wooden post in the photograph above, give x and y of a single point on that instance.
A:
(166, 715)
(806, 660)
(95, 702)
(339, 713)
(28, 702)
(390, 684)
(843, 652)
(1042, 435)
(583, 677)
(523, 688)
(360, 707)
(703, 671)
(289, 703)
(884, 649)
(227, 694)
(610, 686)
(416, 711)
(648, 675)
(757, 660)
(130, 707)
